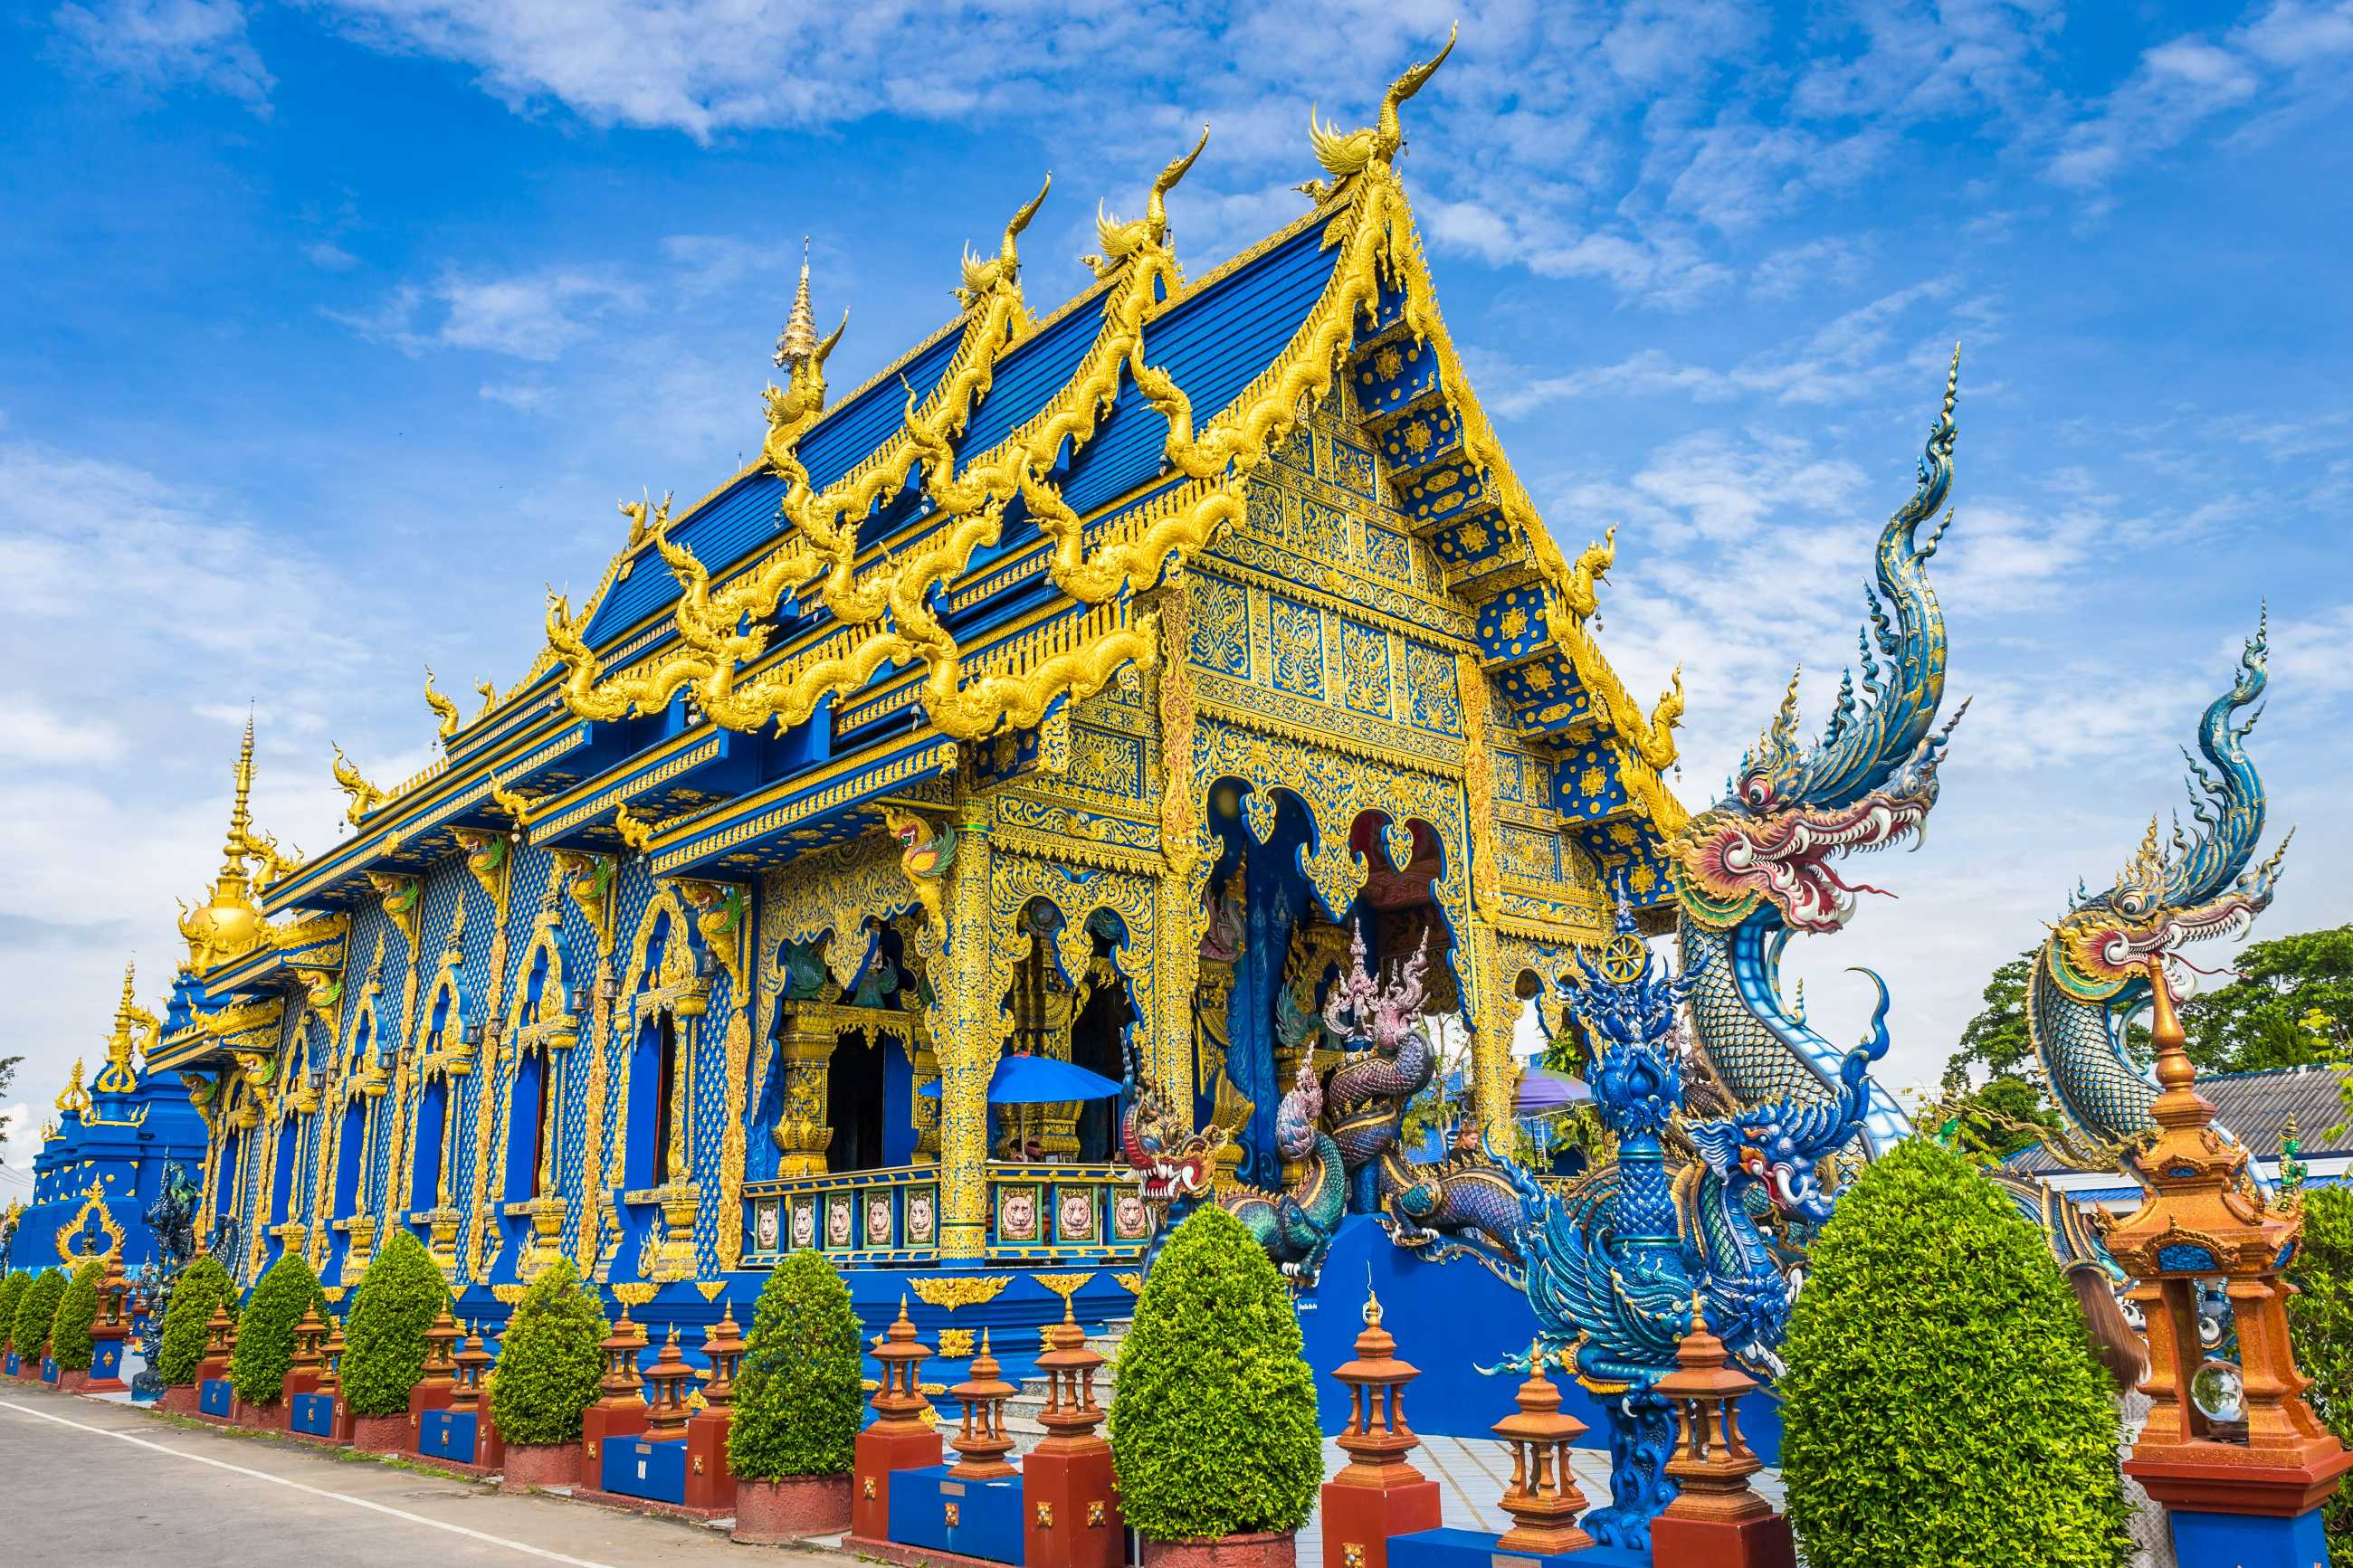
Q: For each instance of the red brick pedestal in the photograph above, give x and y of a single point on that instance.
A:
(382, 1434)
(529, 1464)
(1277, 1548)
(897, 1440)
(178, 1400)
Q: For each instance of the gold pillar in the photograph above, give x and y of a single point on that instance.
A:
(925, 1062)
(801, 1134)
(969, 1026)
(1492, 1012)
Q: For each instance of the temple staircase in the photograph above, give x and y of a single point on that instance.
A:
(1021, 1411)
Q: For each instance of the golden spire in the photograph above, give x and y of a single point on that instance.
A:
(798, 341)
(73, 1097)
(228, 925)
(119, 1076)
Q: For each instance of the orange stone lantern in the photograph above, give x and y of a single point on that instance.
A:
(108, 1333)
(303, 1372)
(980, 1443)
(1068, 1494)
(221, 1343)
(621, 1409)
(1379, 1493)
(111, 1291)
(471, 1362)
(2246, 1498)
(440, 1343)
(898, 1438)
(1717, 1520)
(1542, 1497)
(666, 1381)
(330, 1357)
(725, 1344)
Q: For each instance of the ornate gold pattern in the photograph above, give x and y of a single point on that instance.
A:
(949, 1291)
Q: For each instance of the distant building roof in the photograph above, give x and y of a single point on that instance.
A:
(2255, 1107)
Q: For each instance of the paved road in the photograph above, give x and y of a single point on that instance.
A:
(92, 1482)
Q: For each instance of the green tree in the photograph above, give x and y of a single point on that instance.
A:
(70, 1342)
(797, 1401)
(2320, 1323)
(12, 1291)
(2291, 1004)
(201, 1286)
(35, 1310)
(265, 1334)
(1942, 1406)
(1213, 1426)
(383, 1339)
(548, 1359)
(1993, 1120)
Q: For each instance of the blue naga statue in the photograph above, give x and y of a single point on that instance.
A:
(1757, 866)
(1613, 1264)
(2091, 975)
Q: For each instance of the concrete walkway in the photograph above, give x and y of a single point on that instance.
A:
(148, 1490)
(90, 1480)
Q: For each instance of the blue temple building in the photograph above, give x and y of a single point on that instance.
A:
(103, 1162)
(1081, 686)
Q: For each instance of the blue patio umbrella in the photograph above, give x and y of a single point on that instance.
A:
(1039, 1081)
(1541, 1091)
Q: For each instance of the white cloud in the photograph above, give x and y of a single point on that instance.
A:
(532, 315)
(329, 258)
(155, 44)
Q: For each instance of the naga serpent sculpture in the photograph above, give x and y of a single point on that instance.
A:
(2091, 975)
(1755, 867)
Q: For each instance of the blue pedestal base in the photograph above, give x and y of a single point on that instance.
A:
(451, 1435)
(634, 1467)
(1472, 1549)
(9, 1367)
(49, 1371)
(986, 1521)
(2248, 1540)
(313, 1413)
(214, 1397)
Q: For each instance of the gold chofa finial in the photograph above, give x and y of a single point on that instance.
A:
(444, 711)
(1346, 154)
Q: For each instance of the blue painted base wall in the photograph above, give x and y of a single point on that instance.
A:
(1450, 1319)
(314, 1414)
(987, 1514)
(1472, 1549)
(213, 1397)
(451, 1435)
(634, 1467)
(2248, 1540)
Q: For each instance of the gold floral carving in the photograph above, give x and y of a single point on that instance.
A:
(949, 1291)
(1064, 1284)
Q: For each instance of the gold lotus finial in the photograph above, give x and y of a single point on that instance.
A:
(798, 341)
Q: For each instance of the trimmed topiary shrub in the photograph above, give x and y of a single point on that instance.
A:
(383, 1339)
(798, 1399)
(199, 1287)
(12, 1293)
(36, 1309)
(548, 1360)
(2320, 1321)
(1213, 1428)
(71, 1345)
(1942, 1405)
(265, 1334)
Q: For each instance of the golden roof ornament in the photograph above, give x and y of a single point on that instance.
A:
(365, 796)
(1122, 242)
(73, 1098)
(228, 925)
(798, 341)
(984, 276)
(121, 1074)
(444, 711)
(1346, 154)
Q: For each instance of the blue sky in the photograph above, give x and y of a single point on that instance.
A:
(333, 330)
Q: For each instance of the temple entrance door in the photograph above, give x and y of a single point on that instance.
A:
(854, 1094)
(1095, 1045)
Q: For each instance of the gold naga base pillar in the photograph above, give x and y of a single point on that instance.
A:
(442, 1223)
(361, 1228)
(546, 1245)
(292, 1233)
(672, 1255)
(801, 1133)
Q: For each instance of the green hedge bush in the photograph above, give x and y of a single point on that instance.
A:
(35, 1310)
(548, 1360)
(199, 1287)
(70, 1344)
(384, 1339)
(265, 1334)
(1943, 1407)
(798, 1399)
(2320, 1321)
(12, 1291)
(1213, 1428)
